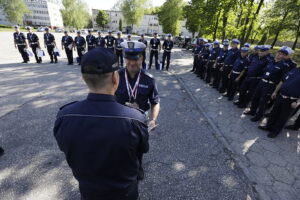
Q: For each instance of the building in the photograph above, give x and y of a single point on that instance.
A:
(42, 13)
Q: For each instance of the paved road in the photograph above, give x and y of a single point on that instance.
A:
(185, 161)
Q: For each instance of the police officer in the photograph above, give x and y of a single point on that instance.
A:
(67, 43)
(142, 39)
(255, 71)
(21, 44)
(214, 52)
(137, 88)
(34, 43)
(167, 47)
(217, 74)
(287, 96)
(197, 50)
(110, 41)
(49, 41)
(101, 138)
(273, 74)
(237, 72)
(91, 40)
(288, 58)
(232, 55)
(154, 48)
(100, 41)
(80, 45)
(129, 37)
(203, 58)
(119, 49)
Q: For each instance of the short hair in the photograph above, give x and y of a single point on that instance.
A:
(97, 81)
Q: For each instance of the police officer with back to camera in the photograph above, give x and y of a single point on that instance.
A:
(91, 40)
(110, 41)
(67, 43)
(274, 72)
(119, 49)
(213, 55)
(137, 88)
(80, 45)
(102, 139)
(255, 71)
(34, 43)
(287, 95)
(154, 48)
(129, 37)
(217, 74)
(50, 44)
(232, 55)
(100, 41)
(21, 44)
(142, 39)
(167, 47)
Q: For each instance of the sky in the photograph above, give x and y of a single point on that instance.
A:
(108, 4)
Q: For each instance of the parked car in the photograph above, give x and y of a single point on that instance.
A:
(177, 40)
(58, 30)
(192, 44)
(40, 29)
(84, 32)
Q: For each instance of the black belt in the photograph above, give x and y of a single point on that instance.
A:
(255, 77)
(212, 61)
(266, 81)
(228, 65)
(235, 72)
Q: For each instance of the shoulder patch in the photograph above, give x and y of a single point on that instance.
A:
(67, 105)
(147, 74)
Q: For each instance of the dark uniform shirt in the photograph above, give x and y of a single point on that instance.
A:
(275, 71)
(33, 39)
(257, 66)
(198, 49)
(291, 63)
(19, 38)
(91, 40)
(79, 41)
(146, 91)
(204, 53)
(100, 42)
(253, 56)
(222, 55)
(66, 41)
(118, 43)
(240, 64)
(168, 45)
(110, 41)
(214, 53)
(49, 39)
(101, 140)
(154, 43)
(143, 41)
(291, 84)
(231, 56)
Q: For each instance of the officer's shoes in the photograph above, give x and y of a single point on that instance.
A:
(24, 62)
(1, 151)
(141, 175)
(249, 113)
(52, 61)
(230, 98)
(292, 127)
(192, 70)
(56, 61)
(237, 103)
(70, 63)
(272, 135)
(265, 128)
(242, 106)
(255, 119)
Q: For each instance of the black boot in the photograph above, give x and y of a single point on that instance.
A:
(1, 151)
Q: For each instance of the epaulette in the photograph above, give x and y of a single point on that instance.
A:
(148, 74)
(67, 105)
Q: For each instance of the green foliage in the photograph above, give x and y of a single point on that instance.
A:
(102, 19)
(170, 15)
(133, 11)
(120, 25)
(75, 14)
(15, 10)
(152, 10)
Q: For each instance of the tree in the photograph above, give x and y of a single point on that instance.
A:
(170, 21)
(14, 10)
(75, 13)
(133, 11)
(120, 25)
(102, 19)
(192, 18)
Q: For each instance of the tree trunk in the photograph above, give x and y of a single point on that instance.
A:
(297, 36)
(216, 26)
(225, 19)
(279, 29)
(239, 18)
(246, 23)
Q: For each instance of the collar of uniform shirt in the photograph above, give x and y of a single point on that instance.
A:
(100, 97)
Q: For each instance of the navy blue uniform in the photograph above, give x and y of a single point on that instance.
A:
(100, 42)
(146, 93)
(228, 64)
(67, 41)
(255, 70)
(119, 51)
(80, 45)
(239, 65)
(197, 50)
(272, 76)
(282, 109)
(20, 41)
(214, 53)
(49, 41)
(110, 42)
(168, 46)
(154, 44)
(91, 41)
(144, 52)
(291, 64)
(217, 74)
(102, 140)
(203, 58)
(33, 41)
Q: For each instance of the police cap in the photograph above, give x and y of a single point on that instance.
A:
(244, 49)
(247, 45)
(236, 41)
(99, 61)
(28, 28)
(46, 29)
(265, 47)
(133, 49)
(286, 50)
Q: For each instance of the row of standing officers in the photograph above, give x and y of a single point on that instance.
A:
(260, 78)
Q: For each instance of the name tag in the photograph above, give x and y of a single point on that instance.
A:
(143, 86)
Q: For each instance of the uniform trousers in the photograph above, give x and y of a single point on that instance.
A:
(247, 90)
(119, 54)
(34, 48)
(23, 53)
(232, 86)
(50, 49)
(155, 54)
(217, 75)
(225, 79)
(166, 55)
(69, 54)
(209, 70)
